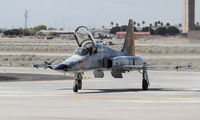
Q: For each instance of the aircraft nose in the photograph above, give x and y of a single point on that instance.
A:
(62, 67)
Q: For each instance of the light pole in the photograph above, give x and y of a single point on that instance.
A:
(26, 18)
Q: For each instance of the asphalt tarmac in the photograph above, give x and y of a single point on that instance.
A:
(172, 96)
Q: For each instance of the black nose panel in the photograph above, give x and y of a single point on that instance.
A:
(62, 67)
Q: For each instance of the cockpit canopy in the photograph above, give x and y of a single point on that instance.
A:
(83, 36)
(85, 42)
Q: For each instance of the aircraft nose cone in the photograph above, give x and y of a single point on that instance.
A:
(61, 67)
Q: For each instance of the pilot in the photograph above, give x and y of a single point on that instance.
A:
(84, 52)
(92, 50)
(89, 50)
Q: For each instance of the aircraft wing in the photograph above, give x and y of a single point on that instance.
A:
(146, 66)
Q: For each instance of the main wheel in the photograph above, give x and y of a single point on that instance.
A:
(75, 87)
(80, 84)
(144, 84)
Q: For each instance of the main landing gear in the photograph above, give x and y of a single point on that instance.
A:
(145, 80)
(77, 82)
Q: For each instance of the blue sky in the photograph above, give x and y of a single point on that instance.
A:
(92, 13)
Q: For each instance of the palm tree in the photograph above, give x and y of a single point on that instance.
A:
(161, 23)
(168, 24)
(134, 23)
(138, 24)
(143, 22)
(156, 24)
(112, 23)
(117, 24)
(150, 25)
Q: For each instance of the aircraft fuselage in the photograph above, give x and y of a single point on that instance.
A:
(104, 59)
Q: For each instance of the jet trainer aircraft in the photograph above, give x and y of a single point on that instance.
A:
(97, 57)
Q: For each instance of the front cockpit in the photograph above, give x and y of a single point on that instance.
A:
(87, 49)
(81, 52)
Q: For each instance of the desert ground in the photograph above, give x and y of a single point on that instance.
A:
(23, 52)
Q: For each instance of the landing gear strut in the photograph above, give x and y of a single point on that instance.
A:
(145, 80)
(77, 82)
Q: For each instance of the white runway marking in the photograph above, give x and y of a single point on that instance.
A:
(161, 101)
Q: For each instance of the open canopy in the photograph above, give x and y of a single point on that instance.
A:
(83, 36)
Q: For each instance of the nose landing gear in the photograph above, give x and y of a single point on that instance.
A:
(77, 82)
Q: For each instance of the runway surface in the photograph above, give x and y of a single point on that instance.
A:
(172, 96)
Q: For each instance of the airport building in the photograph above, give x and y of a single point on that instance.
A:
(122, 35)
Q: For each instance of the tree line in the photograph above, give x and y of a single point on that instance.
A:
(25, 32)
(158, 29)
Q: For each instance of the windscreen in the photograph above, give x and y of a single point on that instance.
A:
(81, 52)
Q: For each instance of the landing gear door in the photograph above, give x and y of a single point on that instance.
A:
(83, 36)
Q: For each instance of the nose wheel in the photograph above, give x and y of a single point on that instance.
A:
(77, 82)
(75, 87)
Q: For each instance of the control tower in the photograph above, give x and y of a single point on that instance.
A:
(188, 16)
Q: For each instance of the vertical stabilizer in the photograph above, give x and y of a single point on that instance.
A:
(129, 44)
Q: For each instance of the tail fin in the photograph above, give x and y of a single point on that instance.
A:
(129, 44)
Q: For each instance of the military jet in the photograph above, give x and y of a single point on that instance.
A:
(98, 58)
